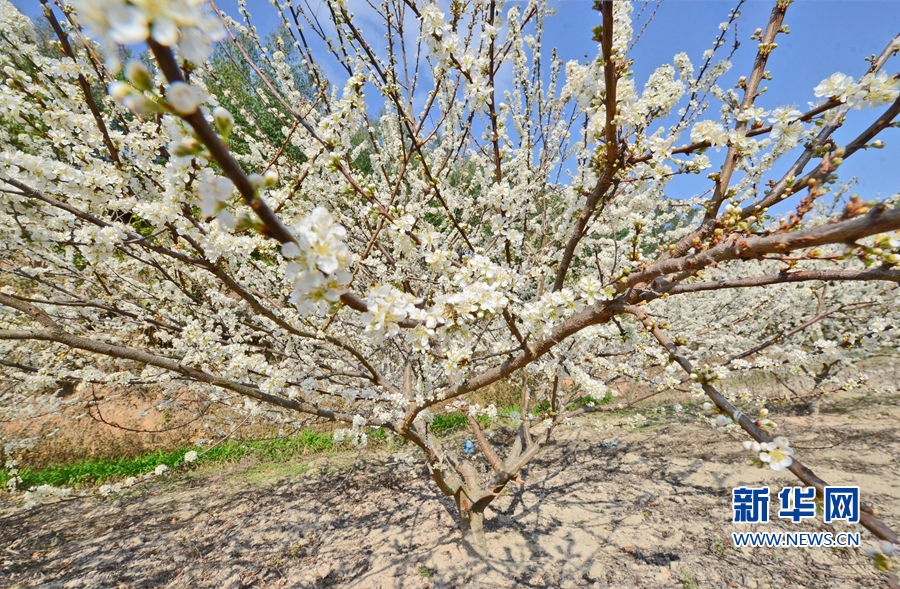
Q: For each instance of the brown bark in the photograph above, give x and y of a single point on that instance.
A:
(471, 520)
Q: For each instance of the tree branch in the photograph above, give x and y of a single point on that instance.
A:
(115, 351)
(879, 220)
(866, 518)
(611, 165)
(885, 274)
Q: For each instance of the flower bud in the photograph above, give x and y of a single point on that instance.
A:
(138, 74)
(256, 181)
(184, 98)
(139, 105)
(224, 120)
(270, 177)
(189, 146)
(119, 90)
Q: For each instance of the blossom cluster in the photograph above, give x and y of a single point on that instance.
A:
(776, 454)
(873, 91)
(189, 24)
(319, 261)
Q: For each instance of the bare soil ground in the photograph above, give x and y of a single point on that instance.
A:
(600, 508)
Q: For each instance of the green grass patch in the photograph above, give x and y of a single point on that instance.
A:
(588, 400)
(95, 472)
(544, 406)
(446, 422)
(508, 412)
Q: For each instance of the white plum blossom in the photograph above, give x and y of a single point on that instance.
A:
(46, 494)
(777, 453)
(119, 90)
(591, 289)
(875, 90)
(584, 83)
(214, 193)
(843, 88)
(882, 90)
(685, 68)
(138, 74)
(827, 347)
(319, 244)
(189, 24)
(751, 114)
(224, 120)
(110, 489)
(185, 98)
(387, 306)
(787, 130)
(710, 131)
(318, 262)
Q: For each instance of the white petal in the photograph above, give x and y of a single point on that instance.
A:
(184, 98)
(227, 221)
(327, 265)
(119, 90)
(164, 31)
(128, 24)
(194, 47)
(289, 249)
(208, 206)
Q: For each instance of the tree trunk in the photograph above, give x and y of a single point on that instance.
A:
(471, 521)
(813, 405)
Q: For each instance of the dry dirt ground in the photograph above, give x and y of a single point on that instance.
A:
(608, 507)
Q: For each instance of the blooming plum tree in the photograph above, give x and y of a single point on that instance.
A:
(377, 269)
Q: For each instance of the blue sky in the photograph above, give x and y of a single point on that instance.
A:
(826, 36)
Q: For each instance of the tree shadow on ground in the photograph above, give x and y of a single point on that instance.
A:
(642, 513)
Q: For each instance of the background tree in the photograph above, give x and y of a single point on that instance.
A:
(520, 235)
(242, 91)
